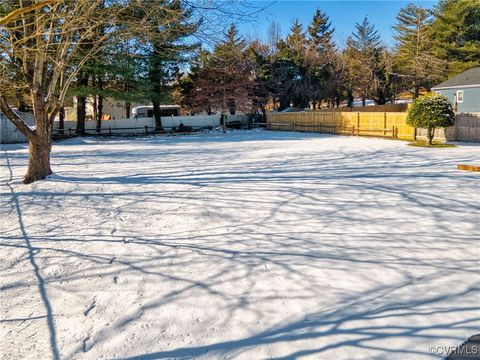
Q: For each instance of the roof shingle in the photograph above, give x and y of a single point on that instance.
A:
(469, 77)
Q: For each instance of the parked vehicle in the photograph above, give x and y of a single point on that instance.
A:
(146, 111)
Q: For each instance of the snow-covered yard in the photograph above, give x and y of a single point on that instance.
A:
(248, 246)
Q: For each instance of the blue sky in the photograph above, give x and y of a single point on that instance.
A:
(343, 14)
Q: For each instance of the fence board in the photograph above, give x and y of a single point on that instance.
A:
(383, 124)
(371, 108)
(352, 123)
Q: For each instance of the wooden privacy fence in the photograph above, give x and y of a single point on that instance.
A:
(466, 128)
(371, 108)
(383, 124)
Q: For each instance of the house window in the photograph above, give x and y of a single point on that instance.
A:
(460, 96)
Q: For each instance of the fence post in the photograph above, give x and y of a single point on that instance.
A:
(358, 123)
(334, 125)
(415, 134)
(146, 129)
(294, 122)
(457, 131)
(384, 124)
(393, 132)
(110, 131)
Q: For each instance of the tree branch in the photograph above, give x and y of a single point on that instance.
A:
(17, 13)
(15, 119)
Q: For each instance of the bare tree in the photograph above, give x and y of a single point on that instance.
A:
(40, 40)
(45, 43)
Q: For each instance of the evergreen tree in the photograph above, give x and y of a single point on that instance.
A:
(323, 57)
(431, 112)
(456, 31)
(260, 56)
(292, 66)
(187, 85)
(294, 46)
(168, 50)
(365, 38)
(320, 31)
(125, 74)
(415, 59)
(366, 70)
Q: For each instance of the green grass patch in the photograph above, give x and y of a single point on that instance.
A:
(436, 144)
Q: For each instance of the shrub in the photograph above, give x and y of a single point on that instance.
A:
(430, 112)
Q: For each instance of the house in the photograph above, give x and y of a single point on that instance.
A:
(463, 91)
(116, 109)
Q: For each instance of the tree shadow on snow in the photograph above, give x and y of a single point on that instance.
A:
(340, 196)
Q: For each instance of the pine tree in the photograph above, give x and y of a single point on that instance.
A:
(187, 83)
(294, 46)
(167, 52)
(456, 30)
(263, 92)
(365, 38)
(321, 31)
(366, 70)
(124, 69)
(292, 66)
(322, 58)
(415, 59)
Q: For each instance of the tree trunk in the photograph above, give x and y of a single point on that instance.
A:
(350, 97)
(81, 113)
(39, 159)
(128, 107)
(100, 105)
(21, 102)
(264, 113)
(223, 122)
(157, 114)
(223, 118)
(430, 135)
(381, 98)
(94, 107)
(61, 121)
(99, 113)
(416, 93)
(81, 104)
(284, 102)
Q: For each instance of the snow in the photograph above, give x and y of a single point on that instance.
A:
(248, 245)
